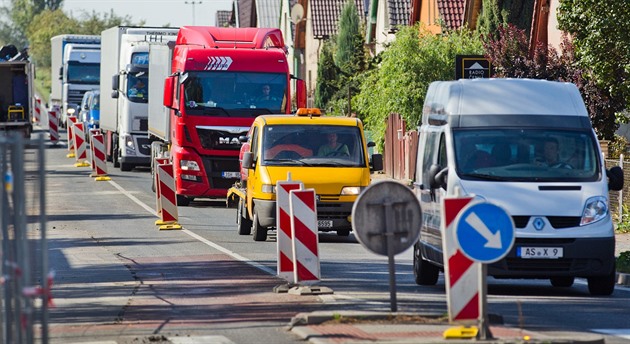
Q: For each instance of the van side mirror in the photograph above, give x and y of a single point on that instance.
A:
(437, 176)
(248, 160)
(615, 178)
(377, 162)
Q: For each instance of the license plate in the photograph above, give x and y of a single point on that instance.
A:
(539, 252)
(231, 174)
(324, 223)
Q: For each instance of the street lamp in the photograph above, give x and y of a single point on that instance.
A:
(193, 3)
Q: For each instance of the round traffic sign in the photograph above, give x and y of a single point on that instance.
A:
(484, 232)
(385, 212)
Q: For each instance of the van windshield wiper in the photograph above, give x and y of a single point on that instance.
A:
(287, 161)
(484, 176)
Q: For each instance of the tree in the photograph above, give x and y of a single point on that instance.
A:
(327, 76)
(497, 13)
(407, 68)
(350, 54)
(45, 26)
(601, 35)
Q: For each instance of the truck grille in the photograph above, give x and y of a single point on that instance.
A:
(215, 166)
(144, 145)
(220, 139)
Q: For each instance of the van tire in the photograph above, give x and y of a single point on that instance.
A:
(602, 285)
(244, 224)
(562, 282)
(424, 272)
(260, 233)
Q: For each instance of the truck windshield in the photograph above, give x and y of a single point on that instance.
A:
(137, 90)
(237, 94)
(527, 155)
(310, 145)
(84, 73)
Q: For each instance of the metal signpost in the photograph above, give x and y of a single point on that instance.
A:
(386, 219)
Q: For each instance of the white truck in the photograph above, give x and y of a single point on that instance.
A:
(75, 65)
(124, 93)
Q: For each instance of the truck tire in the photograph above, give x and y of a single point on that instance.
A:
(602, 285)
(562, 282)
(260, 233)
(343, 232)
(424, 272)
(183, 200)
(126, 167)
(244, 224)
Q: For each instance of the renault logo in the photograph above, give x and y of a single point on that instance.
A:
(539, 223)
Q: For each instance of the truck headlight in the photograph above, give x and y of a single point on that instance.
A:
(268, 188)
(189, 165)
(351, 190)
(596, 209)
(70, 111)
(129, 141)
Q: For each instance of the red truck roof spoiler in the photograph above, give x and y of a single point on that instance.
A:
(216, 37)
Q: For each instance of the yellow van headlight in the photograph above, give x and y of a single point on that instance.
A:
(268, 188)
(351, 190)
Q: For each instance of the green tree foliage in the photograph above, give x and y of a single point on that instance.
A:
(497, 13)
(45, 26)
(509, 54)
(350, 53)
(601, 34)
(408, 66)
(327, 76)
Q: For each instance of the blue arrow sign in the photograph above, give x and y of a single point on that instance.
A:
(484, 232)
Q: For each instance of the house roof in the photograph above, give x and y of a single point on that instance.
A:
(268, 12)
(223, 18)
(452, 12)
(325, 15)
(399, 11)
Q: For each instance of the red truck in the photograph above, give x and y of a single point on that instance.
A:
(207, 88)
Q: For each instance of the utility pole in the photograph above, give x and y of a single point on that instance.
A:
(193, 3)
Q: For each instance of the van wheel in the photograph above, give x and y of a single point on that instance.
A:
(425, 273)
(183, 200)
(243, 222)
(562, 282)
(260, 233)
(602, 285)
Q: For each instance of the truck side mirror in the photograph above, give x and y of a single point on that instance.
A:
(243, 139)
(377, 162)
(167, 98)
(615, 178)
(300, 93)
(248, 160)
(115, 94)
(115, 82)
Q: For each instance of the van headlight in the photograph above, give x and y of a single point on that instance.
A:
(268, 188)
(351, 190)
(189, 165)
(596, 209)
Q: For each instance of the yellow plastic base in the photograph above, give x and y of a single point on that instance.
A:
(170, 227)
(461, 332)
(82, 164)
(161, 223)
(70, 155)
(102, 178)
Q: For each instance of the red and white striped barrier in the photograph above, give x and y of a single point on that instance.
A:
(305, 236)
(70, 120)
(461, 273)
(92, 157)
(38, 112)
(168, 198)
(283, 225)
(156, 180)
(99, 166)
(53, 126)
(80, 151)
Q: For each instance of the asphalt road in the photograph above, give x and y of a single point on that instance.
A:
(120, 278)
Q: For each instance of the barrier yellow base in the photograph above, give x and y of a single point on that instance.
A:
(82, 164)
(102, 178)
(70, 155)
(170, 226)
(461, 332)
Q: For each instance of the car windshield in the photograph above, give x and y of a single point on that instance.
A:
(234, 94)
(526, 155)
(309, 145)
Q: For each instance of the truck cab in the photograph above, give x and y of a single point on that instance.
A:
(328, 154)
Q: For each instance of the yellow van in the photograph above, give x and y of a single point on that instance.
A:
(328, 154)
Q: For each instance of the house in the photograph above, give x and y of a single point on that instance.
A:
(387, 17)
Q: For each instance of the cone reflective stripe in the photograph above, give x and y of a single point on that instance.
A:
(283, 224)
(305, 236)
(168, 198)
(80, 151)
(69, 123)
(98, 157)
(461, 273)
(157, 162)
(53, 126)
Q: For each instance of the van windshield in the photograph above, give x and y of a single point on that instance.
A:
(309, 145)
(528, 155)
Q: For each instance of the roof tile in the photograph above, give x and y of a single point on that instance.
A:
(452, 12)
(325, 15)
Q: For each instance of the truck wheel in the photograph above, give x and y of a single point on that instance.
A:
(243, 222)
(260, 233)
(343, 232)
(562, 282)
(183, 200)
(425, 273)
(126, 167)
(602, 285)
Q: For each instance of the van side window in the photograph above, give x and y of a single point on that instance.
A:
(429, 155)
(442, 158)
(254, 143)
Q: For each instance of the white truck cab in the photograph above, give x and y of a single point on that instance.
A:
(527, 146)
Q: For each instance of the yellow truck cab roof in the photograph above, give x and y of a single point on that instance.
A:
(311, 116)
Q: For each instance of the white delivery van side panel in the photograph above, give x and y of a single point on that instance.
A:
(56, 61)
(159, 68)
(110, 48)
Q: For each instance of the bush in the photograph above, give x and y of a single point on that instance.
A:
(623, 262)
(623, 224)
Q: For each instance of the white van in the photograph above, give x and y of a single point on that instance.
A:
(529, 147)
